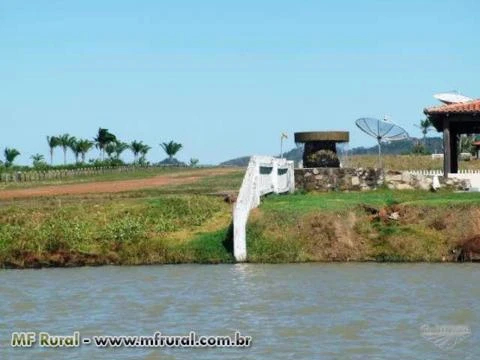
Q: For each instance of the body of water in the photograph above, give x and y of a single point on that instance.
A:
(292, 311)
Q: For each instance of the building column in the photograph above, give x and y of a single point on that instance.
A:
(446, 148)
(453, 152)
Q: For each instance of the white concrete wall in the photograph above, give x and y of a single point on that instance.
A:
(264, 175)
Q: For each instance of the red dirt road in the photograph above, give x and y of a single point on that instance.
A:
(111, 186)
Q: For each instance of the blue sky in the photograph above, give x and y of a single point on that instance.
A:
(225, 78)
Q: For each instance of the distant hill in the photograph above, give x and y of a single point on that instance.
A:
(172, 162)
(434, 145)
(241, 161)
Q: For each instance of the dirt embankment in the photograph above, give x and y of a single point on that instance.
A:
(399, 233)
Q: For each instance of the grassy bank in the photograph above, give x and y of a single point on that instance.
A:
(169, 224)
(371, 226)
(166, 229)
(190, 223)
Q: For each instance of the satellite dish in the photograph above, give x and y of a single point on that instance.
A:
(383, 130)
(452, 97)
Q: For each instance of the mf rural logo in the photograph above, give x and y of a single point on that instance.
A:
(445, 337)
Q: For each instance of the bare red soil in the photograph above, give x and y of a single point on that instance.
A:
(110, 186)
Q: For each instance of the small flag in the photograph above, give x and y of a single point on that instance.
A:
(284, 136)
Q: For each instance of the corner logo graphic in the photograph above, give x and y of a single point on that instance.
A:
(445, 337)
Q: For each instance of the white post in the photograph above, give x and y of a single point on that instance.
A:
(249, 197)
(240, 236)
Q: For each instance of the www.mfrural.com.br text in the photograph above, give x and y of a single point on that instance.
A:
(157, 339)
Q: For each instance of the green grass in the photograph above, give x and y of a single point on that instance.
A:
(336, 226)
(337, 201)
(163, 229)
(189, 223)
(177, 223)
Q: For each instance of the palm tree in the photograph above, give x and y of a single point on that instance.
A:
(52, 144)
(65, 141)
(110, 149)
(37, 159)
(425, 126)
(82, 147)
(116, 148)
(136, 147)
(74, 147)
(193, 162)
(143, 151)
(171, 148)
(120, 147)
(10, 155)
(103, 138)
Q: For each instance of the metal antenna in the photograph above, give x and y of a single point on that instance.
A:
(283, 136)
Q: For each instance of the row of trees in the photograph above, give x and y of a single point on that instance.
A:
(105, 141)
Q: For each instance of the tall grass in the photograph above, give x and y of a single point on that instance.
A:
(404, 162)
(357, 227)
(130, 231)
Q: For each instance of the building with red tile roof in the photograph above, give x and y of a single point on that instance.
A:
(452, 120)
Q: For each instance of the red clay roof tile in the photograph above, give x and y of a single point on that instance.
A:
(460, 108)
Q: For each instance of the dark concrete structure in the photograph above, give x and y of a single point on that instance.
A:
(454, 120)
(320, 140)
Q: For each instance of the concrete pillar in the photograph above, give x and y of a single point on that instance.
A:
(446, 148)
(240, 236)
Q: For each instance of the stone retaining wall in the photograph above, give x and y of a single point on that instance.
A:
(349, 179)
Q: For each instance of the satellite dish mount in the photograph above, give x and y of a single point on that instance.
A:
(382, 130)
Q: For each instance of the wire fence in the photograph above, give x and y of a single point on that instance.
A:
(58, 174)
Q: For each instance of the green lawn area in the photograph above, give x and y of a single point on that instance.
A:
(337, 201)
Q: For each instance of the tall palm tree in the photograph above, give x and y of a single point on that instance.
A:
(110, 149)
(136, 147)
(143, 151)
(425, 126)
(10, 154)
(115, 149)
(74, 147)
(82, 147)
(52, 144)
(103, 138)
(65, 141)
(120, 147)
(171, 148)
